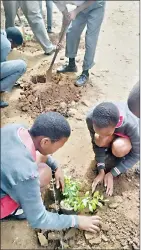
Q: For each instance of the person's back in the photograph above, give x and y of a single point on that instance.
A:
(5, 47)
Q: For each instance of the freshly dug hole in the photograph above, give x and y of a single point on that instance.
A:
(39, 97)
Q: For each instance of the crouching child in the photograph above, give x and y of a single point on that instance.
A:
(113, 127)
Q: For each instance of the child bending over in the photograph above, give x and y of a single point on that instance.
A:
(113, 126)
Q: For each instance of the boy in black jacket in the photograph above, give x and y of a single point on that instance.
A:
(112, 125)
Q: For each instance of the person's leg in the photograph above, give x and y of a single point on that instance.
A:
(10, 9)
(40, 4)
(49, 6)
(94, 21)
(121, 147)
(31, 10)
(11, 71)
(72, 42)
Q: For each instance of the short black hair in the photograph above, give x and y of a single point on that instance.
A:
(134, 100)
(52, 125)
(15, 35)
(105, 114)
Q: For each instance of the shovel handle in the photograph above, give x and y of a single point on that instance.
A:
(57, 50)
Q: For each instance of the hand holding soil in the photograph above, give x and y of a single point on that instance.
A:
(90, 224)
(59, 179)
(108, 183)
(98, 179)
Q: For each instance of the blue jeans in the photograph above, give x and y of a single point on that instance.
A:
(49, 6)
(11, 71)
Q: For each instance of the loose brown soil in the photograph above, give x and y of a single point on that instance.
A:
(40, 96)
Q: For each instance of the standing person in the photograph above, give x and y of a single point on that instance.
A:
(88, 13)
(49, 8)
(22, 179)
(115, 129)
(11, 70)
(31, 10)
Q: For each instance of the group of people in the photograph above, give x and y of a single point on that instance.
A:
(27, 164)
(86, 13)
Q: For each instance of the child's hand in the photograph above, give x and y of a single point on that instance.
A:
(59, 46)
(59, 179)
(108, 183)
(98, 179)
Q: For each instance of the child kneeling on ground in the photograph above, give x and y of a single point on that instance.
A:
(24, 174)
(113, 127)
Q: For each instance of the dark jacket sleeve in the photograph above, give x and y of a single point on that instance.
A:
(99, 151)
(133, 157)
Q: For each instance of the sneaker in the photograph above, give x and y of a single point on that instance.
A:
(18, 214)
(67, 68)
(82, 80)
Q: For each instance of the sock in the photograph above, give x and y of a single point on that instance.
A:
(72, 62)
(85, 72)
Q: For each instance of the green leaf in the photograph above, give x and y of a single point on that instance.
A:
(101, 197)
(96, 194)
(90, 208)
(100, 204)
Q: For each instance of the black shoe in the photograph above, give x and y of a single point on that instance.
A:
(67, 68)
(82, 80)
(49, 30)
(3, 104)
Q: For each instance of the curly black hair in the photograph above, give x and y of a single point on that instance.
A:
(105, 114)
(52, 125)
(15, 35)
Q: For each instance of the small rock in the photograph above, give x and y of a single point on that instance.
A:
(42, 239)
(54, 235)
(72, 112)
(95, 241)
(79, 117)
(88, 235)
(113, 205)
(70, 234)
(63, 105)
(137, 185)
(118, 199)
(118, 237)
(104, 238)
(73, 104)
(86, 103)
(105, 227)
(71, 243)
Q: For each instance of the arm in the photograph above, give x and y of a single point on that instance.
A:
(29, 197)
(133, 157)
(99, 151)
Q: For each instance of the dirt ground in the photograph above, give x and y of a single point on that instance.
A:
(115, 72)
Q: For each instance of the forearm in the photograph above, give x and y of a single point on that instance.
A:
(126, 164)
(29, 198)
